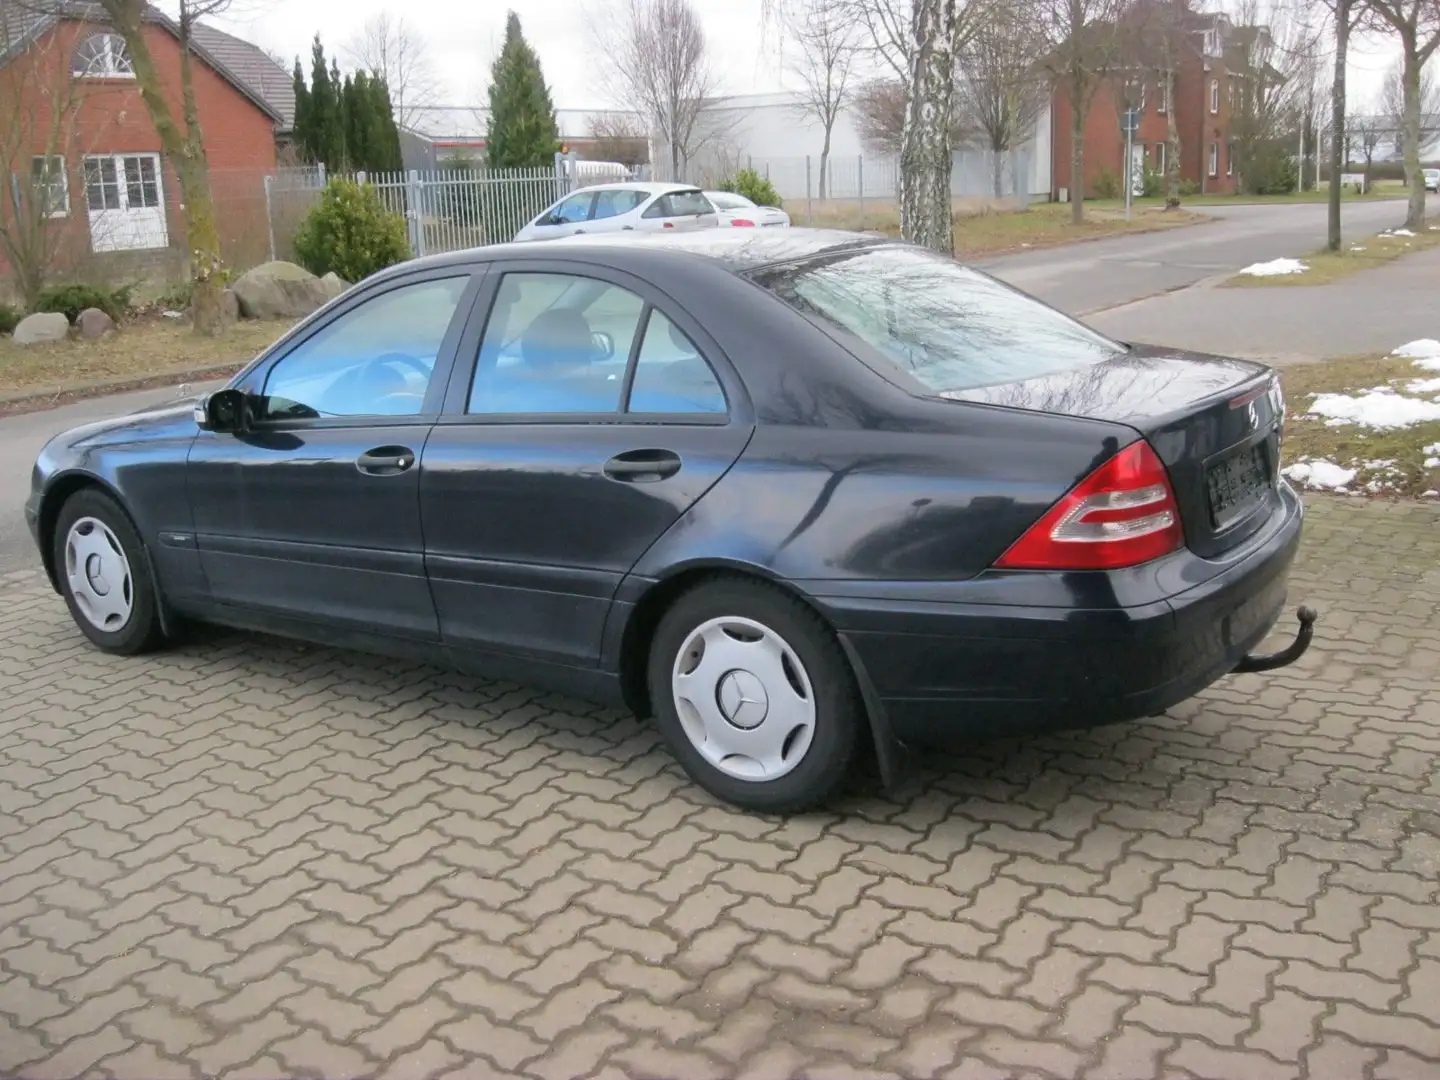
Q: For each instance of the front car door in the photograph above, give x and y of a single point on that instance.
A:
(585, 415)
(314, 514)
(566, 218)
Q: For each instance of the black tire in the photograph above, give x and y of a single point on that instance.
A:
(141, 632)
(839, 712)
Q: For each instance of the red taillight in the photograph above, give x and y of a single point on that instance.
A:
(741, 223)
(1122, 514)
(667, 225)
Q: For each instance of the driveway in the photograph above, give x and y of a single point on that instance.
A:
(1088, 277)
(248, 858)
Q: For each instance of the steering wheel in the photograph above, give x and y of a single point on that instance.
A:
(403, 359)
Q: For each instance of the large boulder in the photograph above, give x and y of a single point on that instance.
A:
(334, 284)
(279, 290)
(94, 323)
(41, 328)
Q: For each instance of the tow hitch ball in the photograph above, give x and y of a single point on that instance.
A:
(1288, 655)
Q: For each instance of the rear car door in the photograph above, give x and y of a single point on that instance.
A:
(585, 415)
(314, 514)
(682, 210)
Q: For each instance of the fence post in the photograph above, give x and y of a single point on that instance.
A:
(412, 212)
(270, 216)
(860, 187)
(320, 171)
(809, 206)
(362, 177)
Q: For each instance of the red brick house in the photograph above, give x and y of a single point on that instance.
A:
(1204, 94)
(84, 147)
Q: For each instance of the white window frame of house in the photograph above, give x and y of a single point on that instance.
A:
(115, 190)
(1162, 96)
(1230, 158)
(1160, 149)
(1214, 96)
(110, 61)
(1214, 159)
(49, 176)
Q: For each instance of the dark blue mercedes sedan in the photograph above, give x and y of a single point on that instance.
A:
(797, 495)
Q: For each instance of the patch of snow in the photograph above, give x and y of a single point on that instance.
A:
(1275, 268)
(173, 314)
(1374, 410)
(1432, 493)
(1432, 463)
(1356, 248)
(1320, 475)
(1433, 448)
(1425, 386)
(1401, 232)
(1422, 349)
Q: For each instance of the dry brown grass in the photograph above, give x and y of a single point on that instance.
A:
(1326, 267)
(987, 227)
(142, 350)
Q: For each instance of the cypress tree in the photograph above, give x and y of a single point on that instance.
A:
(355, 106)
(300, 129)
(326, 132)
(385, 134)
(522, 132)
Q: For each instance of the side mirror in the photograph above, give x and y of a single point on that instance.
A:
(604, 345)
(225, 412)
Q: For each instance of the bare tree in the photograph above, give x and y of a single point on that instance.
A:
(1345, 17)
(620, 136)
(884, 38)
(1002, 88)
(1084, 38)
(823, 59)
(655, 55)
(388, 46)
(1363, 134)
(880, 115)
(181, 139)
(1416, 23)
(1272, 57)
(1392, 105)
(36, 144)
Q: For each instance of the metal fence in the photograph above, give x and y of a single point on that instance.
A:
(449, 209)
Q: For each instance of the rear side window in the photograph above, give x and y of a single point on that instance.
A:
(680, 204)
(613, 202)
(944, 325)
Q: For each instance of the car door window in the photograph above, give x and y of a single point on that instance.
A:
(573, 210)
(614, 202)
(555, 343)
(680, 204)
(670, 374)
(374, 360)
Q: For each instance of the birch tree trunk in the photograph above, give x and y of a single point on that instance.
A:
(926, 215)
(1077, 150)
(1172, 143)
(1337, 123)
(1415, 215)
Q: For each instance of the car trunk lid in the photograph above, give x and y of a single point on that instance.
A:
(1214, 422)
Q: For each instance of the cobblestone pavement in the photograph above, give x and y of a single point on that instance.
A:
(247, 858)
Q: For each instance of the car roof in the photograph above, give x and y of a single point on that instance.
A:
(649, 187)
(738, 250)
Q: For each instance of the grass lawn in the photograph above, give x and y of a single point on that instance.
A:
(147, 349)
(1389, 461)
(980, 232)
(1325, 267)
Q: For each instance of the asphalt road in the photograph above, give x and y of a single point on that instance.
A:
(1093, 276)
(1081, 279)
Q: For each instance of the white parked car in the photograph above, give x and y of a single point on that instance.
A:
(638, 207)
(1432, 179)
(736, 211)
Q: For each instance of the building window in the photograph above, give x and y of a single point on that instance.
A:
(1160, 158)
(130, 182)
(1162, 84)
(1214, 95)
(1214, 159)
(1229, 159)
(51, 185)
(102, 56)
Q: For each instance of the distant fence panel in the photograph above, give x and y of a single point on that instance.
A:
(446, 209)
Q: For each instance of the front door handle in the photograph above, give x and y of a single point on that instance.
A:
(385, 460)
(643, 466)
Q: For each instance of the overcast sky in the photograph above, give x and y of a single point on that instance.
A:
(463, 36)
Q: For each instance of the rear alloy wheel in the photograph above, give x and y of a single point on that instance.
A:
(754, 696)
(104, 575)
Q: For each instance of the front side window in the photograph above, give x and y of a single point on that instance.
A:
(555, 343)
(50, 185)
(947, 327)
(102, 56)
(375, 360)
(612, 202)
(573, 210)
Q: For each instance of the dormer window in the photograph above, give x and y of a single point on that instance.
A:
(102, 56)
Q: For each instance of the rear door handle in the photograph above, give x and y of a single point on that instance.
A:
(385, 460)
(643, 466)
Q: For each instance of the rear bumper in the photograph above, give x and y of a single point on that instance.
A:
(1104, 648)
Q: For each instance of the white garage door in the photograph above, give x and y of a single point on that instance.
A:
(126, 202)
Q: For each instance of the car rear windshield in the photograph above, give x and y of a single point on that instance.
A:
(944, 325)
(686, 203)
(725, 201)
